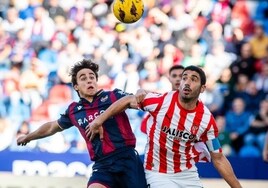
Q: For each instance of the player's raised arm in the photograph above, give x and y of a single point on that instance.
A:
(45, 130)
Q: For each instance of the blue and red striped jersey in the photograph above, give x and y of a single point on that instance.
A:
(117, 131)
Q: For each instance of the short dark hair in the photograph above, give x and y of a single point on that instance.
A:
(199, 71)
(84, 64)
(175, 67)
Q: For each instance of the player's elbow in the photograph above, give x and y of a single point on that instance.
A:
(53, 128)
(217, 158)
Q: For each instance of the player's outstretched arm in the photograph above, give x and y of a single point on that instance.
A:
(120, 105)
(45, 130)
(225, 169)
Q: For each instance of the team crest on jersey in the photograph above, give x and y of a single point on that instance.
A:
(194, 129)
(103, 99)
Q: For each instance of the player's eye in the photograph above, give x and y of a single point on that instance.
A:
(83, 78)
(184, 78)
(194, 79)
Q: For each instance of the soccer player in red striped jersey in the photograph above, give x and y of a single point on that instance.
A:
(116, 162)
(175, 75)
(179, 121)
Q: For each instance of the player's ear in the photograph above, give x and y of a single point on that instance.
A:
(203, 88)
(76, 87)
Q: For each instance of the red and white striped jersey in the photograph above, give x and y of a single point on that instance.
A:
(173, 131)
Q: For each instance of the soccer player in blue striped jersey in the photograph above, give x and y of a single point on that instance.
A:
(117, 163)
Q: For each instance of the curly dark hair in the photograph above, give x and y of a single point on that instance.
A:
(84, 64)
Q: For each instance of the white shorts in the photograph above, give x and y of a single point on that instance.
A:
(185, 179)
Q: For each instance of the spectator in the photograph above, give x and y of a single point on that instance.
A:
(40, 28)
(22, 50)
(224, 136)
(252, 97)
(212, 34)
(221, 11)
(179, 19)
(32, 83)
(5, 49)
(261, 78)
(259, 126)
(237, 123)
(28, 11)
(196, 56)
(235, 42)
(171, 56)
(13, 23)
(128, 79)
(245, 63)
(217, 61)
(23, 129)
(241, 18)
(66, 59)
(54, 9)
(259, 42)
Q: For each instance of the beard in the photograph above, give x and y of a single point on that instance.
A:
(186, 99)
(191, 97)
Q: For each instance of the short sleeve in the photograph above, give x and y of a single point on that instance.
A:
(64, 120)
(152, 101)
(211, 131)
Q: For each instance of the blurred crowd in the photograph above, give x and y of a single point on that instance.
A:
(41, 39)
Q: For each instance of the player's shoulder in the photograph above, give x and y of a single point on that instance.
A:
(74, 104)
(200, 104)
(120, 92)
(202, 108)
(170, 94)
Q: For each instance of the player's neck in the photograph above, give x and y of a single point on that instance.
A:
(91, 98)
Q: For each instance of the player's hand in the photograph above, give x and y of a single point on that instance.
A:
(140, 95)
(22, 140)
(93, 129)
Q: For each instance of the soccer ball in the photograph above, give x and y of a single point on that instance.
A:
(128, 11)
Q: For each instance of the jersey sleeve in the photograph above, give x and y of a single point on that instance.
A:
(211, 137)
(64, 121)
(152, 102)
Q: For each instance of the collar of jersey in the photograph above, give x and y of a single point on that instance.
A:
(95, 96)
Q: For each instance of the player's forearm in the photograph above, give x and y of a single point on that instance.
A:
(117, 107)
(226, 171)
(45, 130)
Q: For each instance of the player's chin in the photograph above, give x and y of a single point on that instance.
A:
(91, 93)
(186, 94)
(186, 97)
